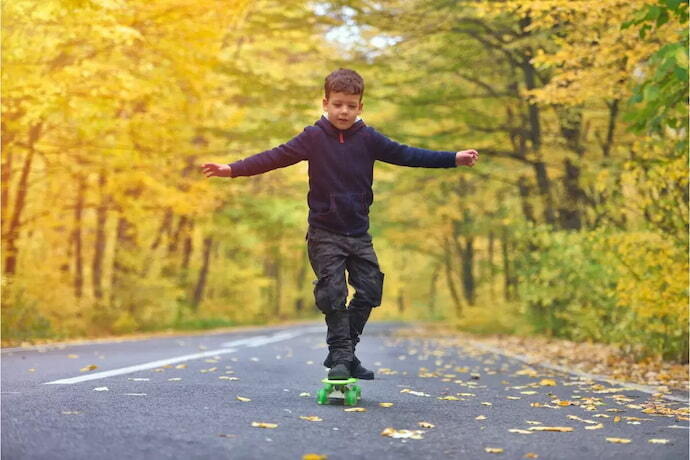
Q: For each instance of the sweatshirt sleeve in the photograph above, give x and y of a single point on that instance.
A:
(293, 151)
(390, 151)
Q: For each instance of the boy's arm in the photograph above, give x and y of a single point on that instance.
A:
(293, 151)
(390, 151)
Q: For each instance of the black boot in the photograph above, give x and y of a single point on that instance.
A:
(360, 372)
(339, 372)
(356, 369)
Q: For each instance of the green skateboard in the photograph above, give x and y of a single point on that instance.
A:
(339, 389)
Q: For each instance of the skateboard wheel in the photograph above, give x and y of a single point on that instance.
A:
(350, 397)
(322, 396)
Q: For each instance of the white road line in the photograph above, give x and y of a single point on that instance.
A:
(248, 342)
(140, 367)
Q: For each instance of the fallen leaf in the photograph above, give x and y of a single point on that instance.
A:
(532, 422)
(528, 392)
(426, 425)
(487, 404)
(450, 398)
(404, 434)
(516, 430)
(305, 394)
(416, 393)
(314, 457)
(174, 379)
(598, 426)
(616, 419)
(240, 398)
(480, 417)
(356, 409)
(530, 455)
(264, 425)
(547, 383)
(225, 377)
(658, 441)
(618, 440)
(181, 366)
(88, 368)
(386, 404)
(138, 379)
(311, 418)
(493, 450)
(513, 397)
(72, 356)
(101, 389)
(562, 429)
(76, 412)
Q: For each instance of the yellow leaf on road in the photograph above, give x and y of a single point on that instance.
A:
(240, 398)
(305, 394)
(598, 426)
(493, 450)
(547, 383)
(658, 441)
(619, 440)
(311, 418)
(480, 417)
(530, 455)
(450, 398)
(356, 409)
(72, 356)
(88, 368)
(426, 425)
(264, 425)
(562, 429)
(518, 431)
(386, 404)
(314, 457)
(405, 434)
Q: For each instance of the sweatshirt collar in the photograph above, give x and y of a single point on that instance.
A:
(331, 130)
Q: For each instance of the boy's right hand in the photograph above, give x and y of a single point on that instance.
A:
(215, 169)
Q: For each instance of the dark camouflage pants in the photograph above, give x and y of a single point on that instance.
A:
(331, 255)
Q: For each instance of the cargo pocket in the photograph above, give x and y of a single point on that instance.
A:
(377, 293)
(324, 294)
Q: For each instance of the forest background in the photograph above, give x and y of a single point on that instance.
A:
(573, 225)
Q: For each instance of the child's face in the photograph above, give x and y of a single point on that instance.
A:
(342, 109)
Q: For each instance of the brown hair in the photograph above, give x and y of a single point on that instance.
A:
(344, 81)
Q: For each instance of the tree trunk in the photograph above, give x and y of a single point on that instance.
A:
(545, 191)
(12, 234)
(186, 251)
(99, 243)
(610, 132)
(570, 213)
(203, 273)
(432, 286)
(507, 270)
(467, 270)
(491, 271)
(300, 280)
(125, 247)
(447, 259)
(77, 239)
(524, 191)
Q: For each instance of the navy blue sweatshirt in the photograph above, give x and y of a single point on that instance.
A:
(341, 170)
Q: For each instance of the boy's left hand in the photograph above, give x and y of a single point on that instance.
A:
(466, 158)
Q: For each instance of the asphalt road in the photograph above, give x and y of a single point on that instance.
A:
(177, 397)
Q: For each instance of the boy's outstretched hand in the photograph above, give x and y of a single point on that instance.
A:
(466, 158)
(215, 169)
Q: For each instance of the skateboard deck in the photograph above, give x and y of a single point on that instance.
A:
(339, 389)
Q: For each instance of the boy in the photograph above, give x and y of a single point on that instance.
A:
(341, 151)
